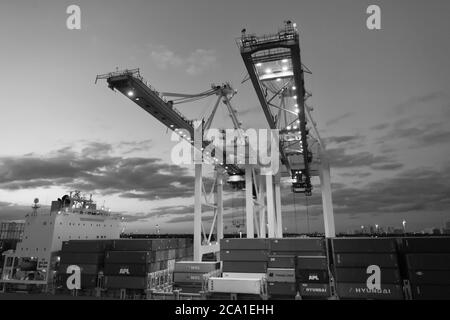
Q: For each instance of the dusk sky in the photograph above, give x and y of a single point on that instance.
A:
(381, 99)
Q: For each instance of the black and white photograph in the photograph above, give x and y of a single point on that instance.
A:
(219, 158)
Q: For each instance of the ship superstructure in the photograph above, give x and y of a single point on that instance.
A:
(72, 217)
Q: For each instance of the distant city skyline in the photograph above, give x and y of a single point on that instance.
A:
(381, 100)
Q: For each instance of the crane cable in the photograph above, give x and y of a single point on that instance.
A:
(307, 213)
(295, 213)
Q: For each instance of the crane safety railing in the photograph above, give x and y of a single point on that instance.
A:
(135, 73)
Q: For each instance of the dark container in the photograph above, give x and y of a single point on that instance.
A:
(244, 244)
(314, 290)
(313, 276)
(244, 255)
(281, 288)
(428, 261)
(426, 245)
(196, 267)
(297, 253)
(86, 246)
(427, 277)
(364, 260)
(360, 291)
(133, 270)
(88, 281)
(360, 275)
(113, 257)
(281, 262)
(312, 263)
(86, 269)
(244, 266)
(364, 245)
(297, 244)
(81, 258)
(187, 288)
(121, 282)
(140, 244)
(429, 292)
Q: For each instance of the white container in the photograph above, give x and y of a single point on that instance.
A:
(235, 285)
(244, 275)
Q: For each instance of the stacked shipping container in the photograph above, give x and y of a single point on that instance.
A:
(356, 260)
(427, 267)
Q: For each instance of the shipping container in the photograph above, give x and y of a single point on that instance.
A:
(244, 266)
(230, 285)
(244, 255)
(364, 245)
(281, 261)
(298, 253)
(430, 277)
(428, 261)
(312, 263)
(113, 257)
(360, 291)
(87, 269)
(430, 292)
(281, 275)
(360, 275)
(187, 288)
(281, 288)
(244, 275)
(244, 244)
(122, 282)
(140, 244)
(364, 260)
(314, 290)
(313, 276)
(185, 277)
(87, 281)
(87, 246)
(200, 267)
(129, 269)
(426, 245)
(298, 244)
(81, 258)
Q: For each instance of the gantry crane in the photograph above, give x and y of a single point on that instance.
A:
(277, 74)
(275, 68)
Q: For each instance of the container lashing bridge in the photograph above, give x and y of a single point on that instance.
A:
(277, 74)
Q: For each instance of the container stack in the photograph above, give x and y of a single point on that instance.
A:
(129, 262)
(188, 275)
(310, 267)
(244, 258)
(428, 267)
(357, 263)
(88, 255)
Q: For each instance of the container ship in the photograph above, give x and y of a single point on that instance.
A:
(72, 217)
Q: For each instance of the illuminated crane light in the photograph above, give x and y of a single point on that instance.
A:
(278, 79)
(294, 88)
(285, 68)
(289, 128)
(130, 93)
(259, 64)
(268, 71)
(284, 60)
(137, 99)
(295, 97)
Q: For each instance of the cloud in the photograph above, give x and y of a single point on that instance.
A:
(339, 118)
(339, 158)
(195, 63)
(92, 171)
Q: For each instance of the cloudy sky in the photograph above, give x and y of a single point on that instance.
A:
(381, 99)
